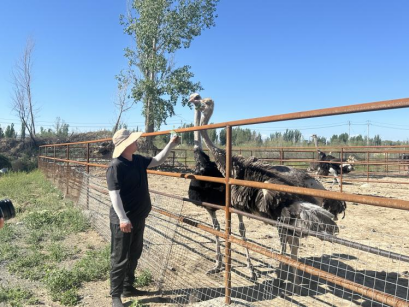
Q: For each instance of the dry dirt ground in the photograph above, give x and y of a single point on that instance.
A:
(374, 226)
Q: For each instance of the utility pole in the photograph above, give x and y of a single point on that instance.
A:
(349, 131)
(367, 134)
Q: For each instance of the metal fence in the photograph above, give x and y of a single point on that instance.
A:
(353, 269)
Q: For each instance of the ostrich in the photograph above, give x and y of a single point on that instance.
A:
(211, 192)
(327, 167)
(296, 210)
(296, 176)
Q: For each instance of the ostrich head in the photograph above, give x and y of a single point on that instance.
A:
(321, 155)
(206, 106)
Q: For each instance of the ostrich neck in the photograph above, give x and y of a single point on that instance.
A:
(197, 141)
(218, 154)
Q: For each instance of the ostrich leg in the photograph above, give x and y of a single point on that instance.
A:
(335, 174)
(242, 230)
(219, 264)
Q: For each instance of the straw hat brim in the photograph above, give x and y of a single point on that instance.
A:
(119, 149)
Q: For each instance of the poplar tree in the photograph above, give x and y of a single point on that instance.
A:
(160, 28)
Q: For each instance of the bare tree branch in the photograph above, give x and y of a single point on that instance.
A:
(122, 101)
(22, 101)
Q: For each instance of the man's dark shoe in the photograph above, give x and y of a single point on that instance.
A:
(131, 291)
(116, 302)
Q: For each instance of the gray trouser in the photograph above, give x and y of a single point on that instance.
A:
(126, 249)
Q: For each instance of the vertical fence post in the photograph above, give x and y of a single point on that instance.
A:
(281, 156)
(367, 165)
(88, 190)
(386, 162)
(54, 164)
(342, 158)
(87, 158)
(227, 259)
(67, 174)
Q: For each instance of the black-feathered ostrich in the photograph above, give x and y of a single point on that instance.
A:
(296, 210)
(205, 191)
(211, 192)
(332, 165)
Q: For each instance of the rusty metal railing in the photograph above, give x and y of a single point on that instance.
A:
(397, 204)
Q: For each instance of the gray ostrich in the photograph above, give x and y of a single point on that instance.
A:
(295, 210)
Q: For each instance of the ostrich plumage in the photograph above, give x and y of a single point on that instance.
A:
(204, 191)
(295, 210)
(331, 165)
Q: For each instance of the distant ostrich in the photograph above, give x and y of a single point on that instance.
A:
(405, 161)
(292, 209)
(328, 167)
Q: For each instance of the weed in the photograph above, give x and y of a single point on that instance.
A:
(95, 265)
(57, 252)
(8, 251)
(63, 284)
(137, 304)
(30, 265)
(35, 236)
(70, 297)
(7, 233)
(144, 279)
(17, 297)
(59, 282)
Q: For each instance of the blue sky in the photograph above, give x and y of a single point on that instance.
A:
(264, 57)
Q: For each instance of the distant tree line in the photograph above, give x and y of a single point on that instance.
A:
(247, 137)
(60, 131)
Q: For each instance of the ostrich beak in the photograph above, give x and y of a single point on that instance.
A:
(194, 97)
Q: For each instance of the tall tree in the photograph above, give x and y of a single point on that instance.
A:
(22, 100)
(160, 28)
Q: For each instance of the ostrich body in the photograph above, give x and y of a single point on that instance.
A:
(327, 166)
(296, 210)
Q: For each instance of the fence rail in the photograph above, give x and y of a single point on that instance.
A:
(72, 173)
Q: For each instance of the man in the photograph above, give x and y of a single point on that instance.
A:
(128, 189)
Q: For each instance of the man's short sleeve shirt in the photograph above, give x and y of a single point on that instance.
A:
(131, 179)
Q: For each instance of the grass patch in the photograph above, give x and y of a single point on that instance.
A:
(63, 284)
(34, 248)
(136, 303)
(17, 297)
(143, 279)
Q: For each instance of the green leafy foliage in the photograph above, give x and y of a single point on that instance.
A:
(161, 27)
(17, 297)
(143, 279)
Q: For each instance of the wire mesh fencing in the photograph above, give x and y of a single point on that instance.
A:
(188, 261)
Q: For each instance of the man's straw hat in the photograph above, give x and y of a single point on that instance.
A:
(122, 139)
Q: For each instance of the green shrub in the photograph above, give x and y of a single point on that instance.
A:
(60, 281)
(144, 279)
(4, 162)
(17, 297)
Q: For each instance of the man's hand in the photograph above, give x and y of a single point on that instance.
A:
(1, 222)
(175, 140)
(125, 227)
